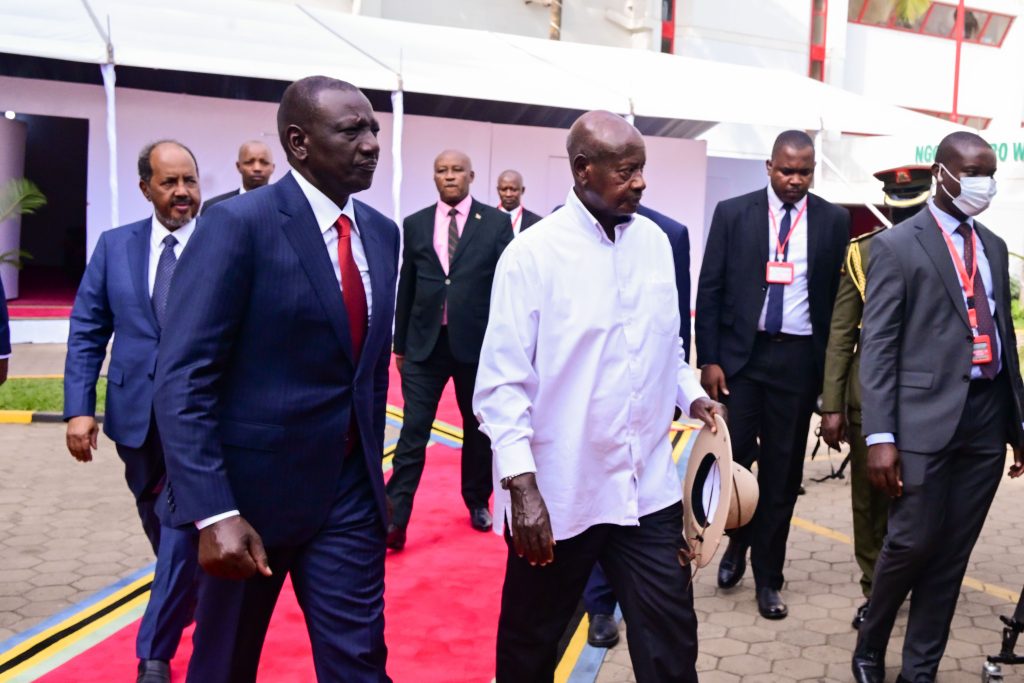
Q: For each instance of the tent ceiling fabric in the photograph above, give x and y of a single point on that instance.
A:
(285, 42)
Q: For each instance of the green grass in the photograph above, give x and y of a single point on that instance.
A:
(1017, 313)
(42, 395)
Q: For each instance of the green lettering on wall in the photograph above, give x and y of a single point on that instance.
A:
(1018, 151)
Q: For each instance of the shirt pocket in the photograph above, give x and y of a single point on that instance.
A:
(661, 304)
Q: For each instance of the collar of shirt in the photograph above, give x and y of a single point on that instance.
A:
(775, 204)
(441, 212)
(241, 190)
(158, 233)
(325, 211)
(947, 222)
(584, 217)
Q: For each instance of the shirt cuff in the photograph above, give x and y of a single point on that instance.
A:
(4, 356)
(514, 459)
(203, 523)
(881, 437)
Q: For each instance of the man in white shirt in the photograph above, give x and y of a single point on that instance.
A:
(124, 293)
(580, 371)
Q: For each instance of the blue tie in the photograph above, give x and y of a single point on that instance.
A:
(773, 316)
(162, 285)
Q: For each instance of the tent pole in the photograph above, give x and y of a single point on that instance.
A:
(871, 207)
(109, 80)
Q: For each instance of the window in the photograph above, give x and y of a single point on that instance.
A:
(939, 19)
(976, 122)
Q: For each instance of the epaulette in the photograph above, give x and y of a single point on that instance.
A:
(867, 235)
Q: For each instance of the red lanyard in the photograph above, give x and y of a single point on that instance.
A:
(780, 248)
(966, 281)
(518, 217)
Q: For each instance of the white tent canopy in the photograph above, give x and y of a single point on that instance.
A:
(251, 38)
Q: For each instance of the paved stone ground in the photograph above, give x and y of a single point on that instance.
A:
(815, 642)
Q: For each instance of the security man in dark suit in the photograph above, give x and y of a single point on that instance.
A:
(764, 302)
(905, 190)
(444, 295)
(942, 398)
(255, 164)
(510, 196)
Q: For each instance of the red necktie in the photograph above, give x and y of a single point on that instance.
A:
(352, 291)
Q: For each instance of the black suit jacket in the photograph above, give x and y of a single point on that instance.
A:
(219, 198)
(732, 288)
(423, 287)
(529, 218)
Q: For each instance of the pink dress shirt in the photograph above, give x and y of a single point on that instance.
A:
(441, 220)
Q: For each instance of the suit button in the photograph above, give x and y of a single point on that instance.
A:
(966, 378)
(447, 281)
(970, 339)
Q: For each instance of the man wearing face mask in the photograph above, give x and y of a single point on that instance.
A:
(942, 397)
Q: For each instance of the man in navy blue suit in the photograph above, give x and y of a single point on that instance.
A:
(271, 392)
(598, 596)
(5, 335)
(124, 293)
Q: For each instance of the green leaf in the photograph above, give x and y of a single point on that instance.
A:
(15, 257)
(19, 196)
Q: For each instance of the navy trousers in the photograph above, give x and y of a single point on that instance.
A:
(172, 597)
(338, 576)
(598, 596)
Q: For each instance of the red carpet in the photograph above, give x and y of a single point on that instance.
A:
(43, 293)
(442, 598)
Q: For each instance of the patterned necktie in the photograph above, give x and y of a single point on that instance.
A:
(986, 325)
(164, 272)
(773, 316)
(453, 235)
(352, 291)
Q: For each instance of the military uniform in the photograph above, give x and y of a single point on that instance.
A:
(841, 394)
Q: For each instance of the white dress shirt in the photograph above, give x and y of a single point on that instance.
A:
(581, 368)
(796, 309)
(949, 224)
(157, 234)
(326, 213)
(516, 216)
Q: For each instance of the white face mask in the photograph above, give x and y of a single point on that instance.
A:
(976, 193)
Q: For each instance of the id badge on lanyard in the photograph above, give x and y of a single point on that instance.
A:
(779, 271)
(981, 346)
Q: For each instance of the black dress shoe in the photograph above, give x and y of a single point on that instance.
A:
(868, 666)
(154, 671)
(733, 565)
(396, 537)
(480, 518)
(603, 631)
(770, 604)
(862, 612)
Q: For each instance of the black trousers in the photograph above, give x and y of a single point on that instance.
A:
(641, 563)
(933, 527)
(422, 385)
(770, 403)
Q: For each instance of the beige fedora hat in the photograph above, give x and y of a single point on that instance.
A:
(718, 494)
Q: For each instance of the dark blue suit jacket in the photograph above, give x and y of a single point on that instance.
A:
(5, 326)
(256, 381)
(679, 238)
(113, 298)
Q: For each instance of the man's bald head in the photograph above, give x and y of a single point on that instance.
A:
(510, 189)
(597, 134)
(957, 145)
(453, 173)
(255, 164)
(607, 157)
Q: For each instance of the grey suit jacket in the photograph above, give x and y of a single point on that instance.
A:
(916, 342)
